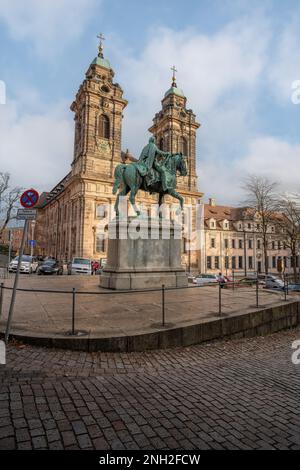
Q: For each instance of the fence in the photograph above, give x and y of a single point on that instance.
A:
(220, 291)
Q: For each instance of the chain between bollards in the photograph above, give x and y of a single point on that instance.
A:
(1, 297)
(73, 310)
(163, 304)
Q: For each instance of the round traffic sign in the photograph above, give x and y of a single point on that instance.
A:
(29, 198)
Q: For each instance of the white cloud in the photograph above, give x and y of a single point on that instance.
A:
(284, 63)
(274, 158)
(36, 148)
(48, 25)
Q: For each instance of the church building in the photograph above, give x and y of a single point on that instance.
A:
(68, 215)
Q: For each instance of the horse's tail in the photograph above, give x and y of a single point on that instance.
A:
(119, 171)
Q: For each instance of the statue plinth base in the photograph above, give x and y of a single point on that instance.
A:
(143, 253)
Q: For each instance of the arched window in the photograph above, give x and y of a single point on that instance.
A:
(183, 146)
(104, 126)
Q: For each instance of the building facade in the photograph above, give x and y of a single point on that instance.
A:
(70, 214)
(231, 240)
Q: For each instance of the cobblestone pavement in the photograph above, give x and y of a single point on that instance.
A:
(241, 394)
(100, 315)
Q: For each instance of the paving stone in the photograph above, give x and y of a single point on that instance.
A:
(240, 394)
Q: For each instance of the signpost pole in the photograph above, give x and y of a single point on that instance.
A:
(13, 296)
(9, 247)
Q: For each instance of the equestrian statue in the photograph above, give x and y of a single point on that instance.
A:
(154, 172)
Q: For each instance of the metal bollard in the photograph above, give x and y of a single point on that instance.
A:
(1, 297)
(220, 299)
(284, 288)
(73, 310)
(163, 304)
(233, 280)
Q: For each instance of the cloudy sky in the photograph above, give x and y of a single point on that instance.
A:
(236, 63)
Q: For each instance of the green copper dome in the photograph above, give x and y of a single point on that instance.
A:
(102, 62)
(175, 91)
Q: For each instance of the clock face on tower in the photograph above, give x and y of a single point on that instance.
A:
(103, 145)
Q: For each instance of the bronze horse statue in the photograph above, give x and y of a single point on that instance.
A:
(165, 171)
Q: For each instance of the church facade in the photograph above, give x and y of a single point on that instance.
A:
(68, 216)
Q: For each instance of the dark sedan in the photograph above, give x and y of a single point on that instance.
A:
(51, 266)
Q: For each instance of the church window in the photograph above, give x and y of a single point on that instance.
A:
(183, 146)
(104, 126)
(100, 211)
(100, 243)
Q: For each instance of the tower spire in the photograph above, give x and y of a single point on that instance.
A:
(100, 47)
(174, 70)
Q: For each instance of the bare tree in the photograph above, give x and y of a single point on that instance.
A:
(8, 200)
(262, 198)
(289, 221)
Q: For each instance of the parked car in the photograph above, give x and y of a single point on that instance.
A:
(273, 282)
(202, 279)
(51, 266)
(244, 282)
(80, 266)
(294, 287)
(263, 279)
(29, 264)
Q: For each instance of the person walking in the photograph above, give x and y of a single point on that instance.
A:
(221, 280)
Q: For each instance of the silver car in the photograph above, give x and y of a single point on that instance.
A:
(80, 266)
(29, 264)
(206, 279)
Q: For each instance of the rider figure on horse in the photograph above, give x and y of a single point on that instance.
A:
(146, 162)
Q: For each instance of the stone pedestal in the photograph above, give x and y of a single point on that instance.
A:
(143, 253)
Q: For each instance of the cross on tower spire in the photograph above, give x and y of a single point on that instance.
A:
(174, 76)
(100, 47)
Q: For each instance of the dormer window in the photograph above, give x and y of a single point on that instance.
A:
(212, 223)
(225, 225)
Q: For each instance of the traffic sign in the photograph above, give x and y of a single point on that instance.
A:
(31, 242)
(29, 198)
(26, 214)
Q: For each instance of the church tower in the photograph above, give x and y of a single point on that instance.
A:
(98, 109)
(174, 128)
